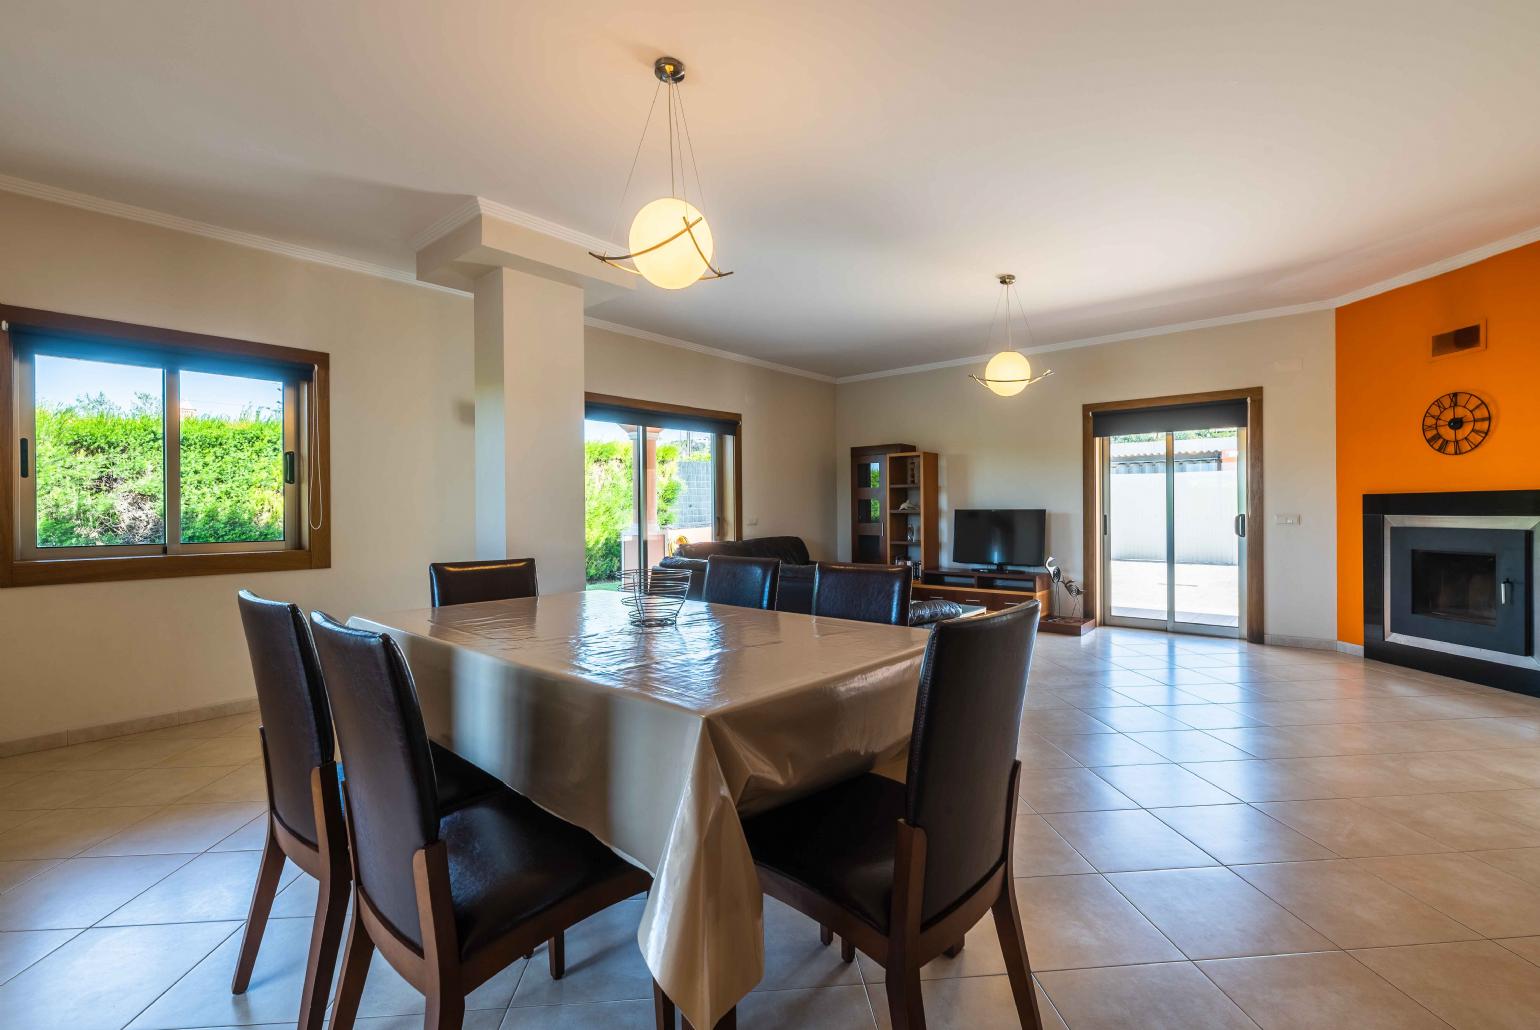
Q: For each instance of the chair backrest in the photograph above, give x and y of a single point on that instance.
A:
(867, 593)
(967, 719)
(291, 695)
(462, 582)
(745, 582)
(391, 796)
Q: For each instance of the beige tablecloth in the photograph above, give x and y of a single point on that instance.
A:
(656, 740)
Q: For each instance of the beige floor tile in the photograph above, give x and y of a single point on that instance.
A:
(177, 829)
(1121, 841)
(1263, 779)
(202, 997)
(153, 787)
(1213, 913)
(980, 956)
(1162, 786)
(1172, 996)
(102, 978)
(131, 754)
(52, 759)
(20, 948)
(1481, 897)
(13, 873)
(1452, 820)
(1525, 947)
(794, 958)
(1206, 717)
(1103, 749)
(603, 963)
(232, 750)
(1062, 720)
(1352, 907)
(250, 837)
(1523, 863)
(1323, 991)
(78, 891)
(215, 886)
(1350, 829)
(10, 819)
(66, 832)
(966, 1003)
(1075, 922)
(1239, 834)
(1037, 753)
(1040, 851)
(386, 994)
(1089, 699)
(1472, 985)
(607, 1015)
(1134, 719)
(59, 790)
(1070, 790)
(247, 783)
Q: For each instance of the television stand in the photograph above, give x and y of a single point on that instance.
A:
(993, 589)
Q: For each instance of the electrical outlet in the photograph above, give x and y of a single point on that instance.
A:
(1286, 519)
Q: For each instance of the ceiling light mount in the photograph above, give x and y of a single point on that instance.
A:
(670, 243)
(1009, 372)
(669, 69)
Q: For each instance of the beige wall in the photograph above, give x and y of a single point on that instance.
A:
(403, 409)
(1025, 452)
(788, 423)
(77, 656)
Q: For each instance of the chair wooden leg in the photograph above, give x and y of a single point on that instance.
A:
(847, 950)
(331, 912)
(727, 1022)
(268, 874)
(445, 1012)
(906, 1009)
(662, 1008)
(825, 935)
(557, 951)
(954, 950)
(355, 968)
(1013, 946)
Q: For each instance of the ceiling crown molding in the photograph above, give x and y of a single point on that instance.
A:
(482, 206)
(701, 348)
(101, 205)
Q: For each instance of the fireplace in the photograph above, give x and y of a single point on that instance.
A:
(1449, 582)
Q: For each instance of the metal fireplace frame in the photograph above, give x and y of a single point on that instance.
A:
(1524, 523)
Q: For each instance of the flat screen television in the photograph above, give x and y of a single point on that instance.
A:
(998, 537)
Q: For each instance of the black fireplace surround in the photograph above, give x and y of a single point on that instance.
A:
(1449, 584)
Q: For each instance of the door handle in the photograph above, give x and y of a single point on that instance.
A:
(1105, 525)
(1240, 525)
(25, 470)
(1505, 592)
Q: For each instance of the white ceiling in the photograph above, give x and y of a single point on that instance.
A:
(868, 166)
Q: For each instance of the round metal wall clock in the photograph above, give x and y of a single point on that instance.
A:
(1456, 423)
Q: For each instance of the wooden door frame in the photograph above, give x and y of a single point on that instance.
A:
(1092, 499)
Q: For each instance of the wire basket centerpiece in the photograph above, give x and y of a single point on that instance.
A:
(654, 596)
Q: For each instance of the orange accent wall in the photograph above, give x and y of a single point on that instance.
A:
(1386, 379)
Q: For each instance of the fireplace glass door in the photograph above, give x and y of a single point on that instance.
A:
(1462, 586)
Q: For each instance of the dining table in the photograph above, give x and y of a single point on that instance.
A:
(658, 741)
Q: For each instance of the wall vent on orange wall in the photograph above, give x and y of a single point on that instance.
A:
(1461, 340)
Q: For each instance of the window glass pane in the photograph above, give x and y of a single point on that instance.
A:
(610, 540)
(232, 459)
(100, 453)
(683, 488)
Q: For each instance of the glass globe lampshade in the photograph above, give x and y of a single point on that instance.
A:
(1007, 373)
(677, 263)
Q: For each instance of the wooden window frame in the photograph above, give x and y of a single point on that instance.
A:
(20, 568)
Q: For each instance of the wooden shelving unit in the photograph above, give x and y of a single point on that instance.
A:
(869, 501)
(912, 519)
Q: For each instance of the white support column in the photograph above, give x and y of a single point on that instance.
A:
(529, 423)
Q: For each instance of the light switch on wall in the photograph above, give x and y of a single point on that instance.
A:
(1286, 519)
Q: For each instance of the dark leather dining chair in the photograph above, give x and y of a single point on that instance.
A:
(448, 899)
(742, 581)
(304, 803)
(903, 870)
(462, 582)
(866, 593)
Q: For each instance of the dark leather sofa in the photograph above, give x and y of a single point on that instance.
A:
(796, 587)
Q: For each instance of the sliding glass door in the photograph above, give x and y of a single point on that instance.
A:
(1174, 528)
(654, 479)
